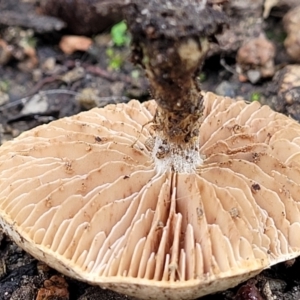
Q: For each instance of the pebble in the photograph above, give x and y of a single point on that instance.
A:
(291, 22)
(225, 88)
(4, 98)
(253, 76)
(36, 105)
(255, 59)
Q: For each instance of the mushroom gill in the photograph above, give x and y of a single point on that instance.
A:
(78, 195)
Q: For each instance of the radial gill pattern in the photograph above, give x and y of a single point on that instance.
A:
(83, 194)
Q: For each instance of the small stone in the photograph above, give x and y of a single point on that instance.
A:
(277, 285)
(285, 91)
(4, 98)
(291, 22)
(253, 76)
(3, 269)
(5, 52)
(255, 59)
(49, 64)
(15, 132)
(37, 75)
(36, 105)
(87, 98)
(225, 88)
(267, 292)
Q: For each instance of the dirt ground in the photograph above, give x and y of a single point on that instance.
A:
(39, 82)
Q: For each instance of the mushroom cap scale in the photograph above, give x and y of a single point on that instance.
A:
(84, 195)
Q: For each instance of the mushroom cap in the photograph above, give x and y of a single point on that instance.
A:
(78, 195)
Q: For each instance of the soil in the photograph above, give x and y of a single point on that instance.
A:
(39, 83)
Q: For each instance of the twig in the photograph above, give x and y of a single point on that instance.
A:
(41, 83)
(95, 70)
(110, 76)
(226, 66)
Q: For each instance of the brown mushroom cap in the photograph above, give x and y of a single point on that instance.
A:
(76, 194)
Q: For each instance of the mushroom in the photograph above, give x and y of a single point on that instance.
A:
(170, 199)
(86, 195)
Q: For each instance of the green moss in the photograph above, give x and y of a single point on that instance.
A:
(4, 86)
(115, 59)
(202, 77)
(120, 35)
(255, 96)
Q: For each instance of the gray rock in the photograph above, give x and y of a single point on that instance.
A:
(225, 88)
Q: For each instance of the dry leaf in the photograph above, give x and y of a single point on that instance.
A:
(72, 43)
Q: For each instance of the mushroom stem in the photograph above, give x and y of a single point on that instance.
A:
(170, 40)
(174, 87)
(171, 71)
